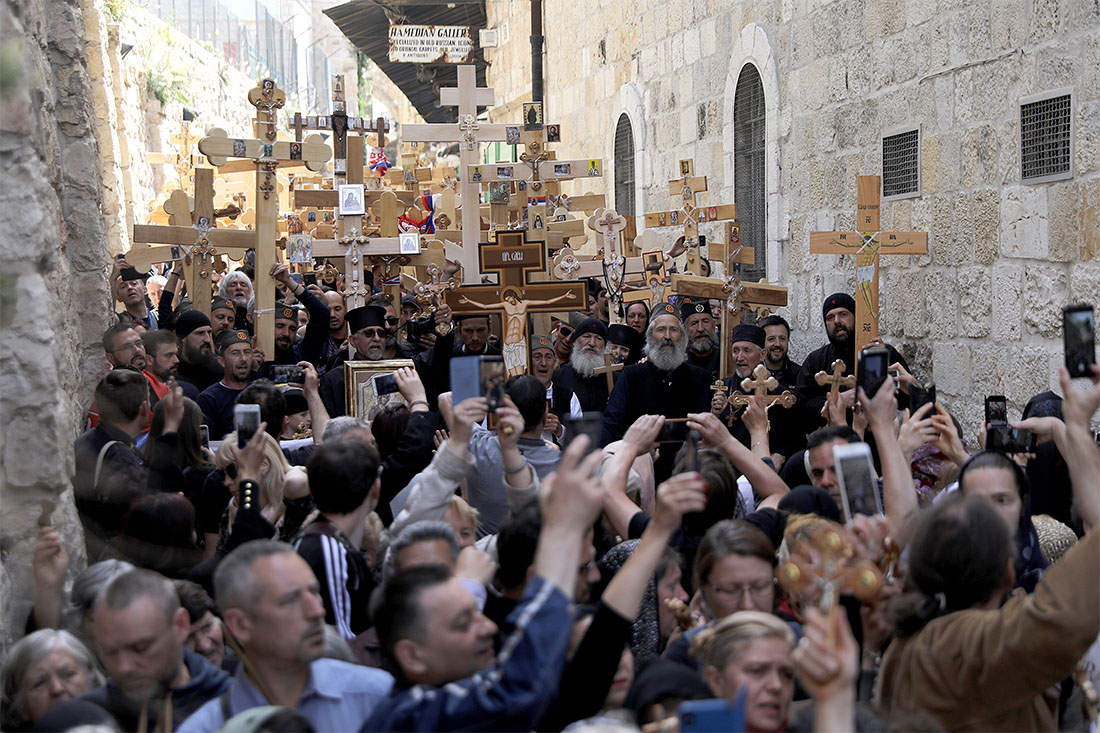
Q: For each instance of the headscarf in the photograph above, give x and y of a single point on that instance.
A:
(645, 637)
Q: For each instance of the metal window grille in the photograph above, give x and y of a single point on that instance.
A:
(1046, 137)
(624, 167)
(750, 176)
(901, 164)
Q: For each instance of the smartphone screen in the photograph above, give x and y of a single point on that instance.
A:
(589, 423)
(491, 376)
(204, 436)
(996, 410)
(919, 395)
(856, 476)
(384, 384)
(246, 421)
(872, 369)
(1079, 333)
(465, 381)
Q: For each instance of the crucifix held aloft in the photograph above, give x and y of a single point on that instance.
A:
(867, 244)
(513, 257)
(836, 380)
(266, 155)
(684, 189)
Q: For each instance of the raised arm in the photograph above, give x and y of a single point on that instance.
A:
(899, 493)
(311, 388)
(764, 480)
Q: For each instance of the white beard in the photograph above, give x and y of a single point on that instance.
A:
(666, 360)
(702, 344)
(585, 362)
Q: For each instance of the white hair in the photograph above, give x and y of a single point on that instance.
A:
(231, 277)
(665, 361)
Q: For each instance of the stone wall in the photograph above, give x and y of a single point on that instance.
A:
(53, 285)
(981, 312)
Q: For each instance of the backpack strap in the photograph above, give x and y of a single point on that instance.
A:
(99, 461)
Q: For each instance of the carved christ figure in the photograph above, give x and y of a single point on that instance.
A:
(515, 324)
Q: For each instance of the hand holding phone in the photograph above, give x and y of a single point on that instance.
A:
(246, 421)
(856, 475)
(873, 365)
(996, 410)
(1079, 334)
(589, 424)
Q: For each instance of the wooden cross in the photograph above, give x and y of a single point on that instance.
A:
(513, 258)
(867, 244)
(193, 236)
(608, 369)
(469, 133)
(836, 380)
(340, 124)
(684, 189)
(759, 386)
(265, 155)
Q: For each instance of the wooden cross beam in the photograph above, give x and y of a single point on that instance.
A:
(758, 385)
(867, 244)
(684, 189)
(265, 155)
(836, 380)
(608, 369)
(193, 237)
(513, 258)
(469, 133)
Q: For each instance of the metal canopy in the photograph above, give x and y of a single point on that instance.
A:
(366, 23)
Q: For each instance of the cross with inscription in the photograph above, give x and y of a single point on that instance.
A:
(684, 189)
(265, 154)
(514, 258)
(468, 133)
(867, 244)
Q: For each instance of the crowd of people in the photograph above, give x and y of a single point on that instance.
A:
(446, 566)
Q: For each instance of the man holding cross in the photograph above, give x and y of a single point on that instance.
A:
(839, 314)
(577, 386)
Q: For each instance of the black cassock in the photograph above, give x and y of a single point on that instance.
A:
(786, 434)
(591, 392)
(710, 362)
(642, 389)
(811, 395)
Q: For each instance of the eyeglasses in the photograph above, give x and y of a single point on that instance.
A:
(375, 332)
(139, 344)
(565, 331)
(756, 590)
(392, 320)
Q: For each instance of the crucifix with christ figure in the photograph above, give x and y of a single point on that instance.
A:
(684, 189)
(265, 154)
(867, 244)
(513, 258)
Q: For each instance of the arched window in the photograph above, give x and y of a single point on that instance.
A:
(624, 167)
(750, 176)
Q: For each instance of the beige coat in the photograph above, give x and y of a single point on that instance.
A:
(987, 670)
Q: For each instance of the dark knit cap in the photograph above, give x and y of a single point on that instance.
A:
(295, 401)
(838, 300)
(590, 325)
(189, 321)
(745, 332)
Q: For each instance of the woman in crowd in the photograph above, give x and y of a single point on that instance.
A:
(42, 669)
(637, 316)
(193, 461)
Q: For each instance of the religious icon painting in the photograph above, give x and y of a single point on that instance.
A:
(685, 167)
(299, 248)
(702, 214)
(409, 243)
(562, 169)
(352, 199)
(538, 222)
(532, 115)
(340, 165)
(409, 175)
(475, 174)
(295, 151)
(553, 133)
(499, 192)
(269, 150)
(593, 167)
(660, 218)
(311, 217)
(712, 212)
(337, 84)
(505, 171)
(340, 105)
(238, 149)
(322, 123)
(674, 217)
(268, 86)
(360, 396)
(521, 185)
(311, 121)
(203, 224)
(511, 134)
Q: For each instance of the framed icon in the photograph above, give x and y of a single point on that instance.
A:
(352, 199)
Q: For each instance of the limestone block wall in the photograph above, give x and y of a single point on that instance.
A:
(981, 312)
(53, 286)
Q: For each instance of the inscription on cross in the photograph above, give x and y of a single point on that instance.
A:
(867, 244)
(513, 258)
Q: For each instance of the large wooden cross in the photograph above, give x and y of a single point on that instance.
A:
(191, 235)
(513, 258)
(608, 370)
(468, 133)
(684, 189)
(265, 154)
(759, 384)
(836, 380)
(867, 244)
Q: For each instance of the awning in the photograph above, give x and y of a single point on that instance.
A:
(366, 23)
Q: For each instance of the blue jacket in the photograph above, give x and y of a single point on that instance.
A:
(512, 694)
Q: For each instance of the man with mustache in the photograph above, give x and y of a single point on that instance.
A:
(577, 386)
(367, 333)
(664, 385)
(271, 603)
(197, 364)
(777, 339)
(699, 324)
(839, 314)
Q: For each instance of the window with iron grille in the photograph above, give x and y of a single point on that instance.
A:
(750, 177)
(624, 167)
(1046, 137)
(901, 164)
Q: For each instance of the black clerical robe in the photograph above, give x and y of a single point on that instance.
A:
(786, 375)
(709, 361)
(643, 389)
(811, 395)
(591, 391)
(786, 434)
